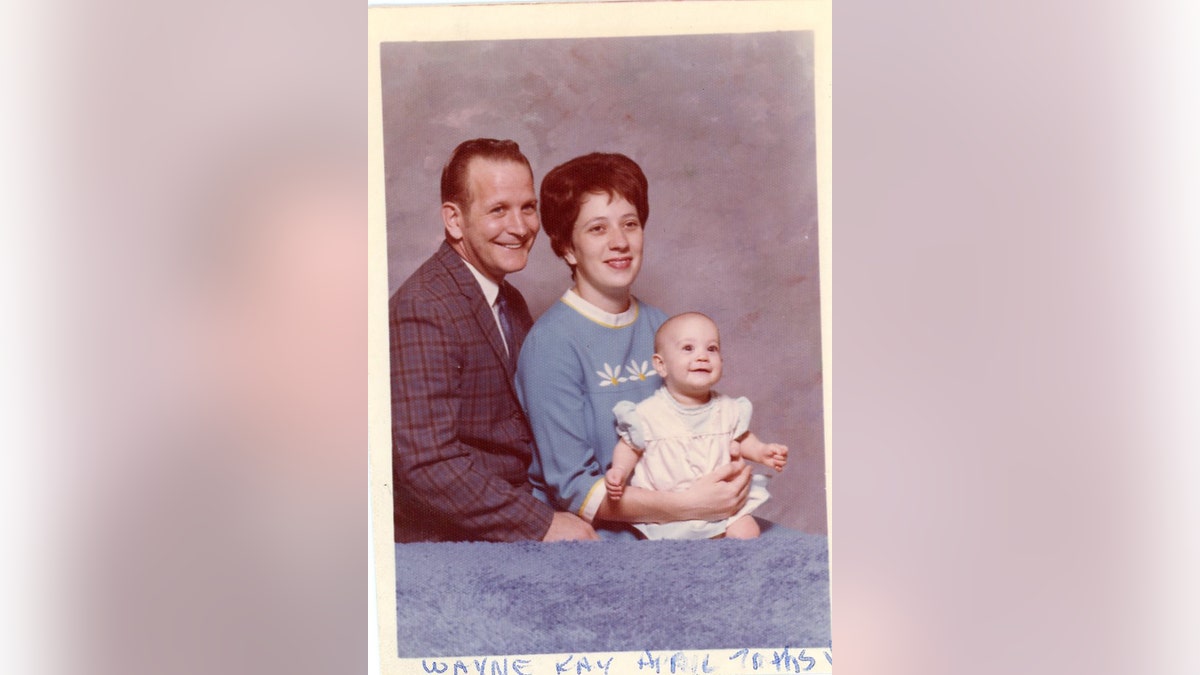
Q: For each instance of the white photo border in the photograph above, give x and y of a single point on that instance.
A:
(501, 22)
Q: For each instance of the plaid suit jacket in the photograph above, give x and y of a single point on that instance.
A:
(461, 445)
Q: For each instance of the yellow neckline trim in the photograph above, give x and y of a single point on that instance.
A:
(569, 299)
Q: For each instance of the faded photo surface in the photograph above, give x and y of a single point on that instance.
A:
(723, 127)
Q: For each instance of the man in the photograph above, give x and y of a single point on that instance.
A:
(461, 445)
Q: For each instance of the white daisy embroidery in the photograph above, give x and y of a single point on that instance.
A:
(640, 372)
(609, 377)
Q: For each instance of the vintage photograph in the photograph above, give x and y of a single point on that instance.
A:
(602, 390)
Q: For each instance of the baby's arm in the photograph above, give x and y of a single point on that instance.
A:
(625, 457)
(773, 455)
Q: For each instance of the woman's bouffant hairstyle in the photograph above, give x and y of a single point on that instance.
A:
(567, 185)
(454, 174)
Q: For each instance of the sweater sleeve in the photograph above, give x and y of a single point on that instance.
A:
(552, 387)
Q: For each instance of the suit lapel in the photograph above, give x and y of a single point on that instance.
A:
(487, 323)
(473, 295)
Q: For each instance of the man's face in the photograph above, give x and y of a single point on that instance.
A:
(497, 228)
(689, 358)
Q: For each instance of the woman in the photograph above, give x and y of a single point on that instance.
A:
(593, 349)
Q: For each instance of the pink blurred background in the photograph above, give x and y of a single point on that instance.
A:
(1015, 338)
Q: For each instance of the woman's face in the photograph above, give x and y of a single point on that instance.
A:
(606, 250)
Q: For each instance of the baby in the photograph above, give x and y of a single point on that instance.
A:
(684, 431)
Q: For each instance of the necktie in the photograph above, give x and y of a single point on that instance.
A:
(502, 310)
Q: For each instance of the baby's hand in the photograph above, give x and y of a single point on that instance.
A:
(775, 456)
(614, 484)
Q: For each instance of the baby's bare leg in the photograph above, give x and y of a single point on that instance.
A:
(743, 528)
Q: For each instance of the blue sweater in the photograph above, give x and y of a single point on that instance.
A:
(573, 368)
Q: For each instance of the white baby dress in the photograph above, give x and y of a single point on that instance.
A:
(680, 444)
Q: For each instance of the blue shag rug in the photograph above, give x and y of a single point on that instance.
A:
(459, 599)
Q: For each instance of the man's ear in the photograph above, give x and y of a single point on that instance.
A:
(452, 218)
(660, 367)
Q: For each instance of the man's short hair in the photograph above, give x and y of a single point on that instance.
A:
(566, 187)
(454, 175)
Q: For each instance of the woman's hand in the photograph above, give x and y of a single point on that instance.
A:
(715, 496)
(720, 494)
(569, 527)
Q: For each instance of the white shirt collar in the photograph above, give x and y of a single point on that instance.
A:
(577, 303)
(490, 288)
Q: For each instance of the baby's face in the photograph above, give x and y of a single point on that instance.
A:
(689, 358)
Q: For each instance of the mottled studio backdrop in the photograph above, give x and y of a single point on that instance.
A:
(723, 127)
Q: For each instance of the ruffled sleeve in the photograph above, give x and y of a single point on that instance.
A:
(629, 424)
(745, 410)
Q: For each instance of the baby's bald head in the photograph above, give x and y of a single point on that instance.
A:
(666, 333)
